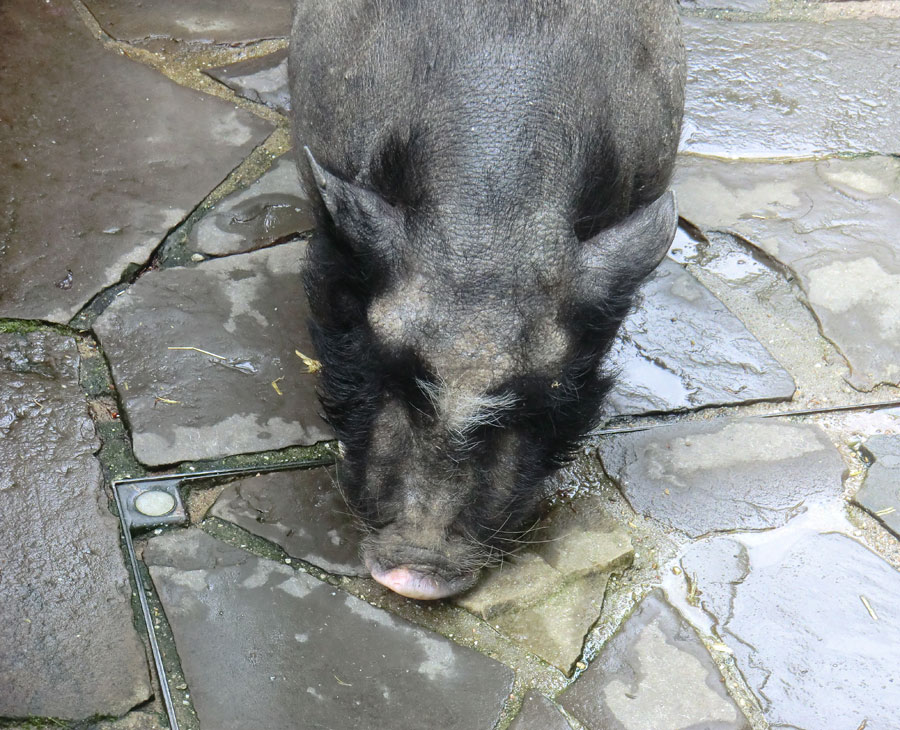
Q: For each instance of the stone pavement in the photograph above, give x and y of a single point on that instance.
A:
(702, 564)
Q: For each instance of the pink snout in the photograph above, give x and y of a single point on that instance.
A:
(413, 584)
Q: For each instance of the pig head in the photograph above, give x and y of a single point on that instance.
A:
(490, 180)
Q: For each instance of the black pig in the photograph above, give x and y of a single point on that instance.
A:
(491, 179)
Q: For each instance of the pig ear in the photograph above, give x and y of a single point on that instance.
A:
(365, 218)
(624, 254)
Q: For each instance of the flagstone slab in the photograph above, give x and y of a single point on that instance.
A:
(263, 645)
(859, 8)
(751, 6)
(654, 673)
(555, 628)
(682, 349)
(302, 511)
(263, 80)
(235, 384)
(548, 597)
(211, 21)
(791, 88)
(539, 713)
(833, 223)
(734, 475)
(68, 646)
(102, 158)
(880, 492)
(813, 621)
(272, 210)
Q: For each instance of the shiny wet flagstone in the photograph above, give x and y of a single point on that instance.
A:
(654, 673)
(731, 475)
(814, 623)
(102, 157)
(265, 646)
(833, 225)
(68, 645)
(301, 511)
(214, 21)
(205, 358)
(682, 349)
(791, 89)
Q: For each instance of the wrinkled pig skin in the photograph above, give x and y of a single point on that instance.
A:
(491, 188)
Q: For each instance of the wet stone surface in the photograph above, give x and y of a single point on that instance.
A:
(791, 88)
(548, 597)
(703, 478)
(215, 21)
(654, 673)
(299, 648)
(880, 493)
(271, 210)
(752, 6)
(68, 647)
(103, 156)
(793, 608)
(247, 313)
(539, 713)
(134, 721)
(263, 80)
(681, 349)
(859, 9)
(302, 511)
(833, 223)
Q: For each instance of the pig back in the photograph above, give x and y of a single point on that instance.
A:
(572, 107)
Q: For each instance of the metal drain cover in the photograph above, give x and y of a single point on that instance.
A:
(152, 503)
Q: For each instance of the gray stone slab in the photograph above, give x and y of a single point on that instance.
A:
(68, 647)
(654, 673)
(539, 713)
(548, 597)
(302, 511)
(265, 646)
(133, 721)
(555, 628)
(681, 349)
(751, 6)
(814, 623)
(263, 80)
(102, 157)
(248, 314)
(834, 224)
(712, 477)
(880, 492)
(831, 9)
(213, 21)
(792, 89)
(272, 210)
(522, 580)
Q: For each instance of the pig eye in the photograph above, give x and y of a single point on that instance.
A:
(410, 379)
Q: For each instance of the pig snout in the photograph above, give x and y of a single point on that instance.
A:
(401, 563)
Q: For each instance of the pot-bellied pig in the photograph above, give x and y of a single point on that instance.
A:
(491, 182)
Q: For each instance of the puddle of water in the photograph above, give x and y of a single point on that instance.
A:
(677, 589)
(656, 383)
(685, 248)
(769, 547)
(735, 267)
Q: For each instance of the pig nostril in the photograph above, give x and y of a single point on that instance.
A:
(413, 583)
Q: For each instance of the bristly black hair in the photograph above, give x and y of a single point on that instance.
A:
(395, 172)
(600, 195)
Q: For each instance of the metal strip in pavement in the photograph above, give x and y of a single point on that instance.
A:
(778, 414)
